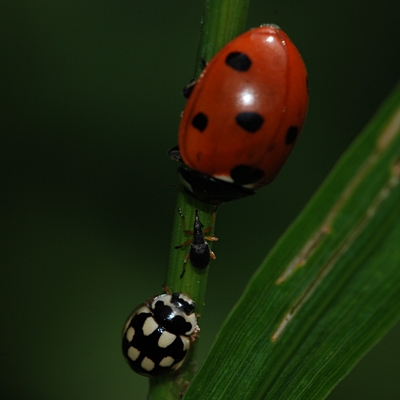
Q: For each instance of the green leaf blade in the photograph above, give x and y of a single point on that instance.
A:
(295, 334)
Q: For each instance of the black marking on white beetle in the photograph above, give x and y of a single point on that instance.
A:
(186, 306)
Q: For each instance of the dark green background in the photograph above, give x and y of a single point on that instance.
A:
(90, 103)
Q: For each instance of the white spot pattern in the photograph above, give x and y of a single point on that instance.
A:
(133, 353)
(186, 342)
(166, 339)
(130, 333)
(147, 364)
(149, 326)
(166, 362)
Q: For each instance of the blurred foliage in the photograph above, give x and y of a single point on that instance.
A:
(90, 103)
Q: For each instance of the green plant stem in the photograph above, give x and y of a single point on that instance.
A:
(222, 21)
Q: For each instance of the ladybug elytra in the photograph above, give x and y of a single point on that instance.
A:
(243, 117)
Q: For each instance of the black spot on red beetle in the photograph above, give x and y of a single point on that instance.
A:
(238, 61)
(244, 174)
(250, 121)
(291, 135)
(200, 121)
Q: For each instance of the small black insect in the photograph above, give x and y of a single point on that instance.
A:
(199, 253)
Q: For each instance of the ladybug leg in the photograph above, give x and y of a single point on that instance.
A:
(166, 290)
(150, 301)
(212, 255)
(195, 334)
(211, 238)
(188, 89)
(184, 388)
(174, 153)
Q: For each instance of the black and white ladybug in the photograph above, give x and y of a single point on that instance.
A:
(199, 253)
(157, 335)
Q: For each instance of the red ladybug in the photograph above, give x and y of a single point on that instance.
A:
(243, 116)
